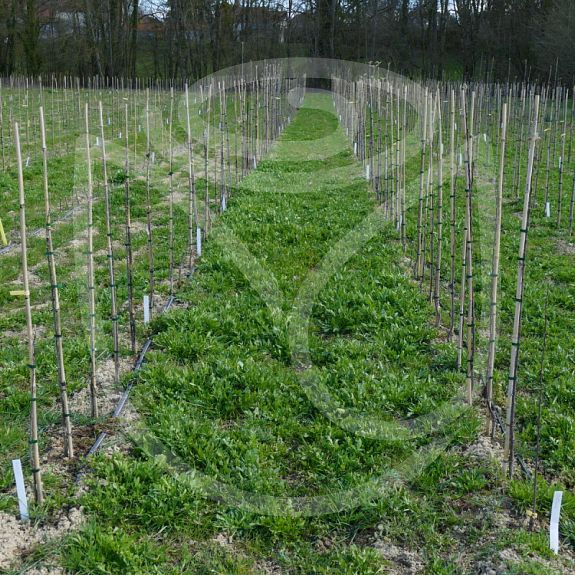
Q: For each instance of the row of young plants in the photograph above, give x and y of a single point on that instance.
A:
(480, 145)
(162, 151)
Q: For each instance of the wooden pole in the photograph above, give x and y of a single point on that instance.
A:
(110, 250)
(515, 338)
(192, 202)
(419, 254)
(34, 448)
(495, 264)
(562, 162)
(171, 192)
(128, 223)
(452, 180)
(469, 247)
(66, 419)
(437, 287)
(91, 281)
(149, 223)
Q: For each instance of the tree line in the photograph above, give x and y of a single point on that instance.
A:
(498, 39)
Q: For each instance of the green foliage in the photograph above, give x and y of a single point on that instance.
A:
(224, 395)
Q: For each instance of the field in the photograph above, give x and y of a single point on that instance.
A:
(302, 408)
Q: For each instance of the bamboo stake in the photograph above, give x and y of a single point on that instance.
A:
(171, 192)
(515, 339)
(206, 160)
(397, 162)
(91, 281)
(562, 162)
(572, 206)
(452, 177)
(430, 201)
(469, 247)
(110, 249)
(149, 223)
(192, 202)
(495, 264)
(521, 140)
(403, 163)
(228, 181)
(439, 212)
(465, 243)
(128, 224)
(222, 146)
(2, 129)
(66, 420)
(419, 254)
(34, 448)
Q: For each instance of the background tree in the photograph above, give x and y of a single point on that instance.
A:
(557, 42)
(190, 38)
(30, 35)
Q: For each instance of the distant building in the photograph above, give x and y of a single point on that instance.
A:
(60, 17)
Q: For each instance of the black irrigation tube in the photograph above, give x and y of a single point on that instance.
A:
(499, 423)
(124, 398)
(137, 366)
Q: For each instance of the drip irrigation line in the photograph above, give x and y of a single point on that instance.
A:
(496, 416)
(124, 398)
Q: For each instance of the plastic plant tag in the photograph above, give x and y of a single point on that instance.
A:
(554, 524)
(146, 309)
(199, 242)
(20, 489)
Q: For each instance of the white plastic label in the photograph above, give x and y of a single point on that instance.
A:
(199, 241)
(146, 309)
(554, 524)
(20, 489)
(547, 210)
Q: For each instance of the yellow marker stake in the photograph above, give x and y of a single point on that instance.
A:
(3, 239)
